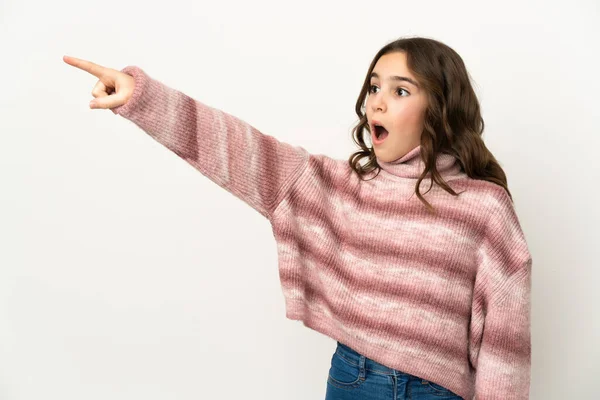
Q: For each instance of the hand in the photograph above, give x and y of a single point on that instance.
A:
(113, 89)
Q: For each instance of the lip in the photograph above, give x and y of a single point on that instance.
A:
(373, 136)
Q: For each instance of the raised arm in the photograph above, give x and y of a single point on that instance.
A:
(255, 167)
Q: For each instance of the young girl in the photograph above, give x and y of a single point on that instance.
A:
(427, 296)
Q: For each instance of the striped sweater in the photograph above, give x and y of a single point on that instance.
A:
(444, 297)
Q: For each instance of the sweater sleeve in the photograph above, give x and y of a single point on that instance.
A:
(255, 167)
(502, 310)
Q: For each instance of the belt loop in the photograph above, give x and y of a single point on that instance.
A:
(361, 365)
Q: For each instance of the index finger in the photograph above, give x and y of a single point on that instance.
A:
(88, 66)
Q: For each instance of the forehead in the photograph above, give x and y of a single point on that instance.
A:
(392, 64)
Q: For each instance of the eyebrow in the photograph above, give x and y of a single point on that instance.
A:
(396, 78)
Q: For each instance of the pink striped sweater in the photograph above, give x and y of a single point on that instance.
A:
(445, 297)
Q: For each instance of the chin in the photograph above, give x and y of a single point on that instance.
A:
(384, 156)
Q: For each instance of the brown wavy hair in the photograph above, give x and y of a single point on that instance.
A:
(453, 122)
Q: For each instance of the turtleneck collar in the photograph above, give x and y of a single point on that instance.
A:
(411, 166)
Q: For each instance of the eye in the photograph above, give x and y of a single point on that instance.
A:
(371, 88)
(397, 90)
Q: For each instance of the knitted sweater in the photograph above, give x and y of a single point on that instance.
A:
(443, 297)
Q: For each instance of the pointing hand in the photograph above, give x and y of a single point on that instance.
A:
(114, 88)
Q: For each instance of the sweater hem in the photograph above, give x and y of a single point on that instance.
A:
(297, 310)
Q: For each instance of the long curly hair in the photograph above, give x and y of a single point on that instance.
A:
(453, 122)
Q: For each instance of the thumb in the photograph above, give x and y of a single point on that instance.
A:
(108, 101)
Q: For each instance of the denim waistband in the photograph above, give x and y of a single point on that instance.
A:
(353, 357)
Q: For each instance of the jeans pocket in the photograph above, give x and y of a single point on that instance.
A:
(344, 373)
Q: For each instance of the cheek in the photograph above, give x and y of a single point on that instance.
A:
(409, 116)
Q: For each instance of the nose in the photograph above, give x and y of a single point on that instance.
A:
(377, 103)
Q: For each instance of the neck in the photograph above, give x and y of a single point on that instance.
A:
(411, 166)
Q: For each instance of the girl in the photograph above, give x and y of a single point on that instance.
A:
(427, 297)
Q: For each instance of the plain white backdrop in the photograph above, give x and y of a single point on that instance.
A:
(126, 274)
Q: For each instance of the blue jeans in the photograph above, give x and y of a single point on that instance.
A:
(353, 376)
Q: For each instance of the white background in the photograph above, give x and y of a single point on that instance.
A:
(126, 274)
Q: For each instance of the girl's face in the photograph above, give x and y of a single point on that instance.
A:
(396, 103)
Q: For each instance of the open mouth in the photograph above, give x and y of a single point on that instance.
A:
(379, 132)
